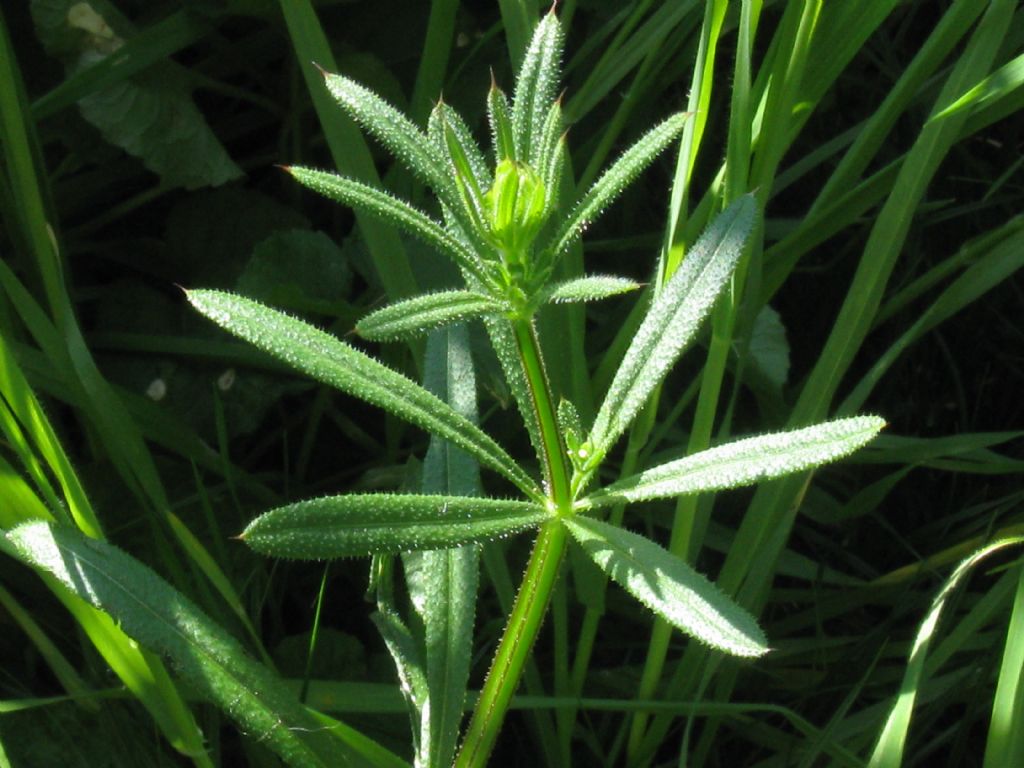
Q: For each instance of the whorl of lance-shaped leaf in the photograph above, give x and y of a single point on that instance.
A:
(445, 119)
(355, 194)
(744, 462)
(614, 180)
(500, 119)
(368, 524)
(673, 320)
(163, 620)
(669, 587)
(589, 288)
(331, 361)
(419, 315)
(536, 85)
(394, 130)
(547, 140)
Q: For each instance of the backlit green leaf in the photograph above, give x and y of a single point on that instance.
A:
(744, 462)
(669, 587)
(590, 288)
(160, 618)
(673, 320)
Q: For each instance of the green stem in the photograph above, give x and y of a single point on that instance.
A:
(541, 572)
(515, 646)
(555, 471)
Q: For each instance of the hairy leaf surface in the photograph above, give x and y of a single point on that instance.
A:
(669, 587)
(745, 462)
(331, 361)
(673, 320)
(366, 524)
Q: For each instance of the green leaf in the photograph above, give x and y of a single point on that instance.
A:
(395, 131)
(443, 583)
(499, 117)
(614, 180)
(363, 197)
(450, 132)
(769, 349)
(669, 587)
(673, 320)
(744, 462)
(422, 314)
(297, 268)
(590, 288)
(162, 619)
(536, 86)
(364, 524)
(331, 361)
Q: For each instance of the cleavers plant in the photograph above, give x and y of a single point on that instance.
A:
(506, 228)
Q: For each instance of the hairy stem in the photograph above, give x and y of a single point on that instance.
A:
(541, 573)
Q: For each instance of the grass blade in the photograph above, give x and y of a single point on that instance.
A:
(889, 749)
(162, 619)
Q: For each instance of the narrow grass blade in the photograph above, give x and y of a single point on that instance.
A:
(1005, 745)
(672, 321)
(536, 85)
(367, 524)
(419, 316)
(669, 587)
(745, 462)
(331, 361)
(590, 288)
(363, 197)
(162, 619)
(891, 744)
(617, 178)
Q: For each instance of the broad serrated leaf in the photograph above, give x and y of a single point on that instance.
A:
(160, 618)
(590, 288)
(744, 462)
(357, 525)
(331, 361)
(669, 587)
(395, 131)
(673, 320)
(422, 314)
(363, 197)
(536, 85)
(614, 180)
